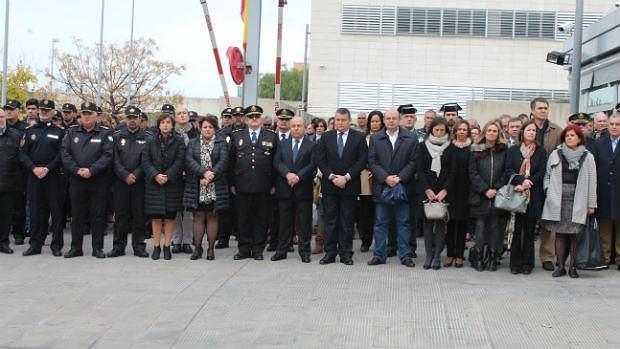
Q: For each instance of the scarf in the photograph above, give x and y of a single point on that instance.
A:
(527, 153)
(462, 145)
(435, 147)
(207, 192)
(572, 156)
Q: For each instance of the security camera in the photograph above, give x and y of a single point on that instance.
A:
(566, 27)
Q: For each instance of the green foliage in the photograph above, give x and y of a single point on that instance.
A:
(292, 81)
(19, 82)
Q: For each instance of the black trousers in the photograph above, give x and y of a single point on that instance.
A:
(7, 204)
(522, 248)
(289, 210)
(455, 238)
(46, 198)
(18, 222)
(339, 216)
(128, 214)
(274, 222)
(88, 203)
(227, 220)
(365, 218)
(253, 211)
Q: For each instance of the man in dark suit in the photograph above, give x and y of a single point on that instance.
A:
(606, 151)
(251, 162)
(341, 156)
(392, 163)
(295, 171)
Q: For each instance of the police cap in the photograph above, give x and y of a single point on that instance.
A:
(192, 115)
(579, 119)
(167, 108)
(47, 104)
(450, 107)
(285, 114)
(69, 108)
(131, 111)
(253, 110)
(238, 111)
(88, 106)
(227, 113)
(13, 104)
(407, 109)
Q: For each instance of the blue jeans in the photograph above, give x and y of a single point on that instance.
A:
(403, 229)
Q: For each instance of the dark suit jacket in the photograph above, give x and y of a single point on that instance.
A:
(304, 167)
(353, 161)
(608, 178)
(252, 164)
(384, 162)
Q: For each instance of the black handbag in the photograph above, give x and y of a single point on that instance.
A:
(589, 249)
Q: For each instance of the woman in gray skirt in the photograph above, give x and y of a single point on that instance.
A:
(570, 184)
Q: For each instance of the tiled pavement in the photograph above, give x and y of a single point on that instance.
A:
(50, 302)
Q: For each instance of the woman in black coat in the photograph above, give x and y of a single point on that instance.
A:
(527, 163)
(435, 176)
(487, 173)
(162, 161)
(206, 185)
(457, 196)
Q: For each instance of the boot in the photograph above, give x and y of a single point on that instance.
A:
(156, 253)
(319, 242)
(493, 260)
(197, 254)
(167, 253)
(480, 262)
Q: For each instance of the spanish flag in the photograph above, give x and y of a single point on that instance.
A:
(244, 18)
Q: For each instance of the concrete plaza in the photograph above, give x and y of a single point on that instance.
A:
(128, 302)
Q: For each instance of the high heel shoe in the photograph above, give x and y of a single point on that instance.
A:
(167, 253)
(156, 253)
(197, 254)
(449, 262)
(210, 255)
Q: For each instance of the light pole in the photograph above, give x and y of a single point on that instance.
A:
(100, 74)
(304, 85)
(5, 71)
(575, 74)
(51, 90)
(129, 80)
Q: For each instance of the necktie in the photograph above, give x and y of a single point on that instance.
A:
(253, 136)
(340, 143)
(295, 150)
(283, 137)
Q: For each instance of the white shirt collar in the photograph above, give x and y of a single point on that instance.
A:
(257, 132)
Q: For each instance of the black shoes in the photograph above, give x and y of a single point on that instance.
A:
(375, 261)
(98, 253)
(573, 273)
(31, 251)
(346, 260)
(176, 248)
(74, 253)
(240, 256)
(19, 242)
(56, 252)
(140, 252)
(221, 244)
(305, 259)
(258, 257)
(408, 262)
(547, 265)
(559, 272)
(364, 248)
(6, 249)
(327, 260)
(278, 257)
(156, 253)
(167, 253)
(116, 252)
(197, 254)
(187, 249)
(210, 254)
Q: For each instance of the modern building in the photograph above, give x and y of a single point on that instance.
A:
(368, 55)
(600, 60)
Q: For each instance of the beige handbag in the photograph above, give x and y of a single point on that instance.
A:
(436, 210)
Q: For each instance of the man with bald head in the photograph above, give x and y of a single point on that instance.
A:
(391, 159)
(362, 122)
(295, 167)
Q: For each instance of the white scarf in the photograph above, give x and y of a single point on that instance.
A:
(435, 147)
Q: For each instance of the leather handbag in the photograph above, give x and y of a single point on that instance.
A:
(436, 210)
(508, 199)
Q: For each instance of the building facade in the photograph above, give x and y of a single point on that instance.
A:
(368, 55)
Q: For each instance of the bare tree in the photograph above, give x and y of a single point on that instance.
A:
(79, 73)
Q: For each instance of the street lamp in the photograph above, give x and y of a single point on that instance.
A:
(5, 71)
(130, 55)
(100, 73)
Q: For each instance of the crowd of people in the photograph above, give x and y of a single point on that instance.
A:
(273, 183)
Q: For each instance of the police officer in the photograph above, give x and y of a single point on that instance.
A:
(144, 121)
(40, 155)
(251, 153)
(18, 223)
(69, 115)
(87, 157)
(193, 118)
(232, 119)
(10, 171)
(129, 185)
(451, 114)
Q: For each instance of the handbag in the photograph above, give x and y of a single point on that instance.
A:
(436, 210)
(508, 199)
(589, 253)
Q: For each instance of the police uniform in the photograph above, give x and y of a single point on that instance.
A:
(227, 218)
(18, 221)
(69, 108)
(10, 171)
(92, 150)
(251, 154)
(41, 147)
(129, 199)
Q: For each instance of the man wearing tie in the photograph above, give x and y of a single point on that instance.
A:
(251, 162)
(606, 150)
(295, 171)
(341, 154)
